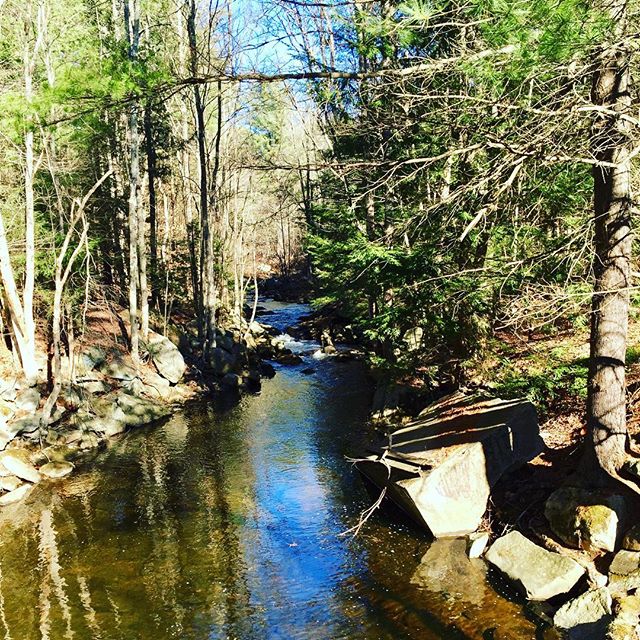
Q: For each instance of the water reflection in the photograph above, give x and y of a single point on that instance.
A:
(227, 526)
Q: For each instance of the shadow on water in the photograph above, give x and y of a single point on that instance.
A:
(226, 524)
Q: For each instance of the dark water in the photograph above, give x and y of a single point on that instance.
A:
(227, 524)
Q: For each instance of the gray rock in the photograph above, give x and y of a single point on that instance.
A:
(624, 571)
(95, 386)
(28, 399)
(539, 574)
(587, 519)
(586, 616)
(231, 381)
(18, 463)
(28, 424)
(8, 432)
(166, 357)
(118, 369)
(256, 328)
(89, 360)
(10, 483)
(222, 362)
(15, 495)
(56, 469)
(413, 338)
(133, 411)
(631, 540)
(625, 621)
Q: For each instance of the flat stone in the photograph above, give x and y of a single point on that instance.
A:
(28, 399)
(166, 357)
(624, 571)
(588, 613)
(631, 540)
(15, 495)
(10, 483)
(17, 462)
(587, 519)
(477, 543)
(539, 574)
(440, 468)
(56, 469)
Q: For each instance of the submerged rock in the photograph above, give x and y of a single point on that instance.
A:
(166, 357)
(15, 495)
(539, 574)
(586, 616)
(56, 469)
(586, 519)
(441, 467)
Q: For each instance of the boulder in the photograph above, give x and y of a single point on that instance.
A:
(221, 361)
(231, 381)
(624, 571)
(267, 370)
(133, 411)
(587, 519)
(631, 540)
(8, 432)
(539, 574)
(586, 616)
(10, 483)
(289, 358)
(166, 357)
(89, 360)
(441, 467)
(56, 469)
(96, 387)
(15, 495)
(118, 369)
(413, 338)
(625, 621)
(18, 463)
(256, 328)
(28, 399)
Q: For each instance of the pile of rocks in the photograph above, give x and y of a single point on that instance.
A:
(111, 395)
(587, 604)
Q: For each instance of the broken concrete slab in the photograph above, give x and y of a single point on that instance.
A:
(441, 467)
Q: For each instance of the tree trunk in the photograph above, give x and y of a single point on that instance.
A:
(153, 228)
(132, 27)
(606, 404)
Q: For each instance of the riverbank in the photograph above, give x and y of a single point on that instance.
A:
(104, 393)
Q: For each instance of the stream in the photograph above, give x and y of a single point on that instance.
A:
(228, 522)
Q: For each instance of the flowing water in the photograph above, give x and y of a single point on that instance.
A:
(226, 522)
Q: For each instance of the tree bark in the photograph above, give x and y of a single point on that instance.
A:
(153, 228)
(132, 29)
(606, 405)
